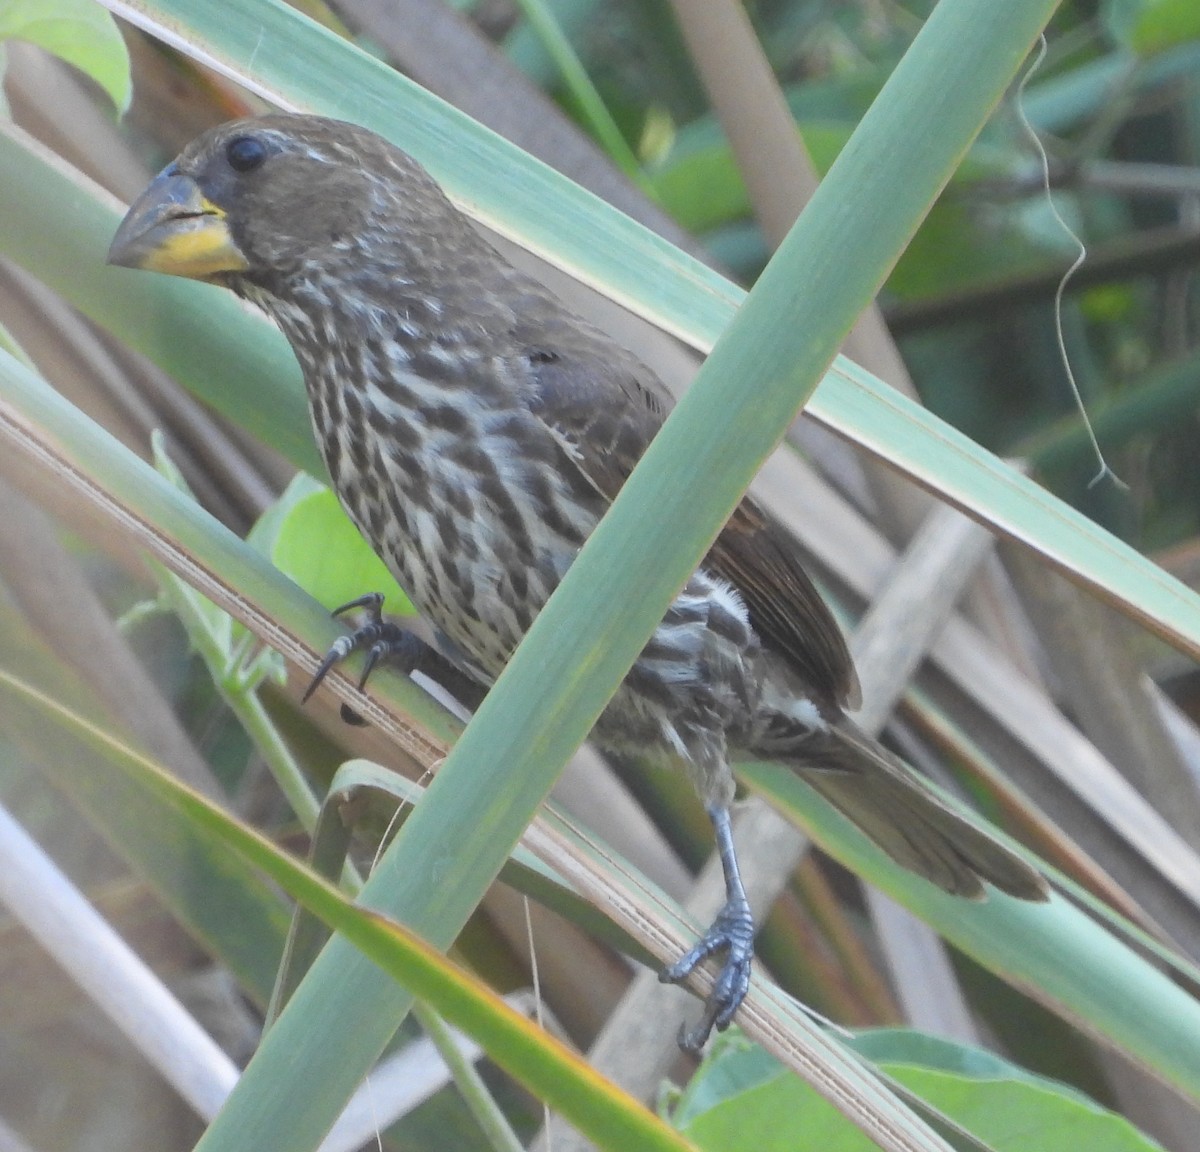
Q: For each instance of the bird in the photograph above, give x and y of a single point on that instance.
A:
(475, 430)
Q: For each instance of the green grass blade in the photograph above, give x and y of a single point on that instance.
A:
(587, 99)
(227, 907)
(543, 1064)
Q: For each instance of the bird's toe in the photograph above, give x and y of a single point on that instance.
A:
(731, 933)
(383, 640)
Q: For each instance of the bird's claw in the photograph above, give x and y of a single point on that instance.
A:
(732, 933)
(381, 640)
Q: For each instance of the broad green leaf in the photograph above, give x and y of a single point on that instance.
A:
(80, 32)
(702, 188)
(919, 1049)
(317, 546)
(1149, 27)
(265, 530)
(742, 1100)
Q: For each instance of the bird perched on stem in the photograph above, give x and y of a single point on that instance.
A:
(476, 430)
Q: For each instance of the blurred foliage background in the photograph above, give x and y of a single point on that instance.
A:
(610, 93)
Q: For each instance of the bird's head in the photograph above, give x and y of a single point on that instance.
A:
(261, 201)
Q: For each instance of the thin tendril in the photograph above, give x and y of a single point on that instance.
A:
(1080, 256)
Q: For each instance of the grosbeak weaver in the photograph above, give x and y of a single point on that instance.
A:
(476, 430)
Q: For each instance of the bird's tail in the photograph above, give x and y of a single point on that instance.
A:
(894, 806)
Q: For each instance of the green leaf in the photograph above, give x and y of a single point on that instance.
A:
(80, 32)
(702, 187)
(743, 1100)
(1149, 27)
(316, 544)
(907, 1046)
(265, 530)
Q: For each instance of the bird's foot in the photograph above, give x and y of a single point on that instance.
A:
(732, 933)
(381, 639)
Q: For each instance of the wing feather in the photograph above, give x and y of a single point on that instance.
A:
(604, 407)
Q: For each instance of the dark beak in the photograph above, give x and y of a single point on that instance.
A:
(173, 227)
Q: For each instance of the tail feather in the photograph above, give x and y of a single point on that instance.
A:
(893, 806)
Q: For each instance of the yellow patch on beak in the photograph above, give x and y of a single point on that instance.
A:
(174, 228)
(198, 247)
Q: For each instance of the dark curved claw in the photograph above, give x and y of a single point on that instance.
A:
(371, 601)
(342, 647)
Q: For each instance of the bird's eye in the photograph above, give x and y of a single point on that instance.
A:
(245, 153)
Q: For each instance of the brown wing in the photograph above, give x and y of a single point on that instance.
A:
(605, 406)
(600, 402)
